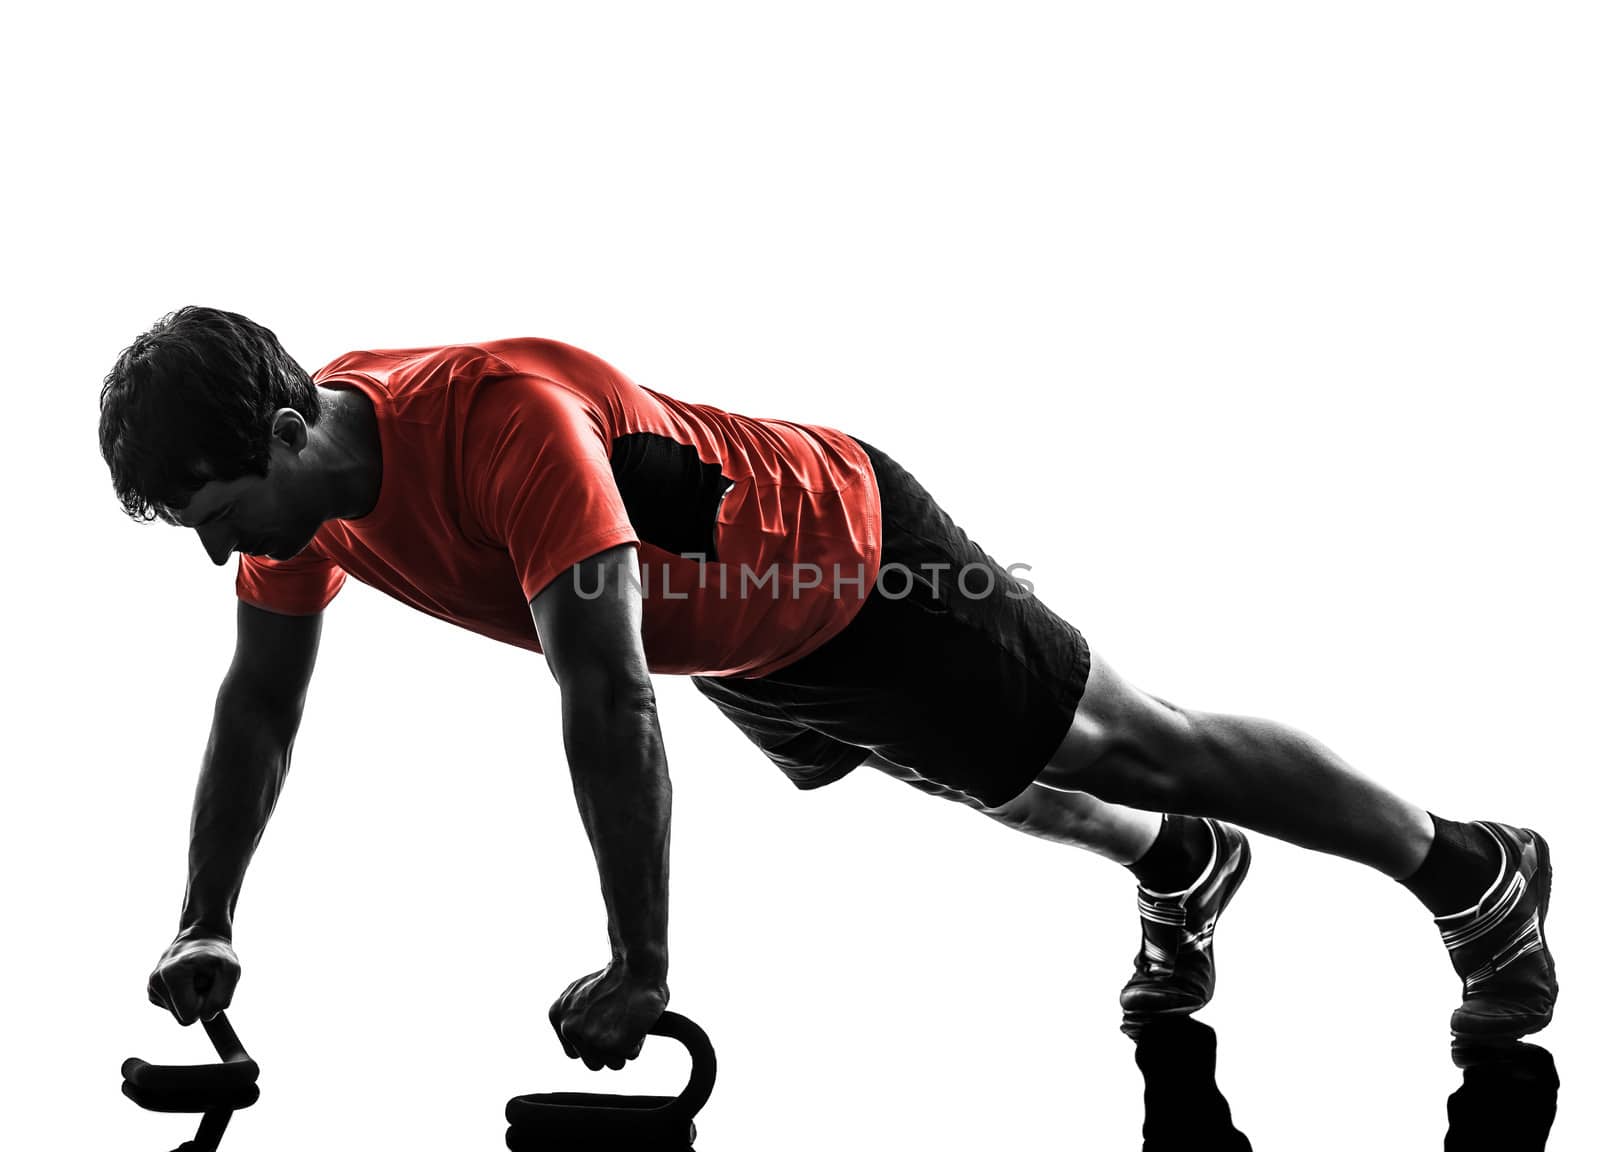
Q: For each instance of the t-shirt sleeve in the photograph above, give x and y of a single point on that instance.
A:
(303, 585)
(540, 477)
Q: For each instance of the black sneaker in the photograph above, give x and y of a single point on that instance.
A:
(1173, 974)
(1508, 978)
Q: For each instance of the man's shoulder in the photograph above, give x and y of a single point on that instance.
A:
(388, 362)
(529, 356)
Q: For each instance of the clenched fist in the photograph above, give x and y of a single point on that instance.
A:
(603, 1017)
(196, 977)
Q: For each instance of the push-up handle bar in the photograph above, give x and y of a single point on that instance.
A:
(217, 1090)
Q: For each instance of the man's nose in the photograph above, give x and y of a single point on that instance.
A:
(218, 542)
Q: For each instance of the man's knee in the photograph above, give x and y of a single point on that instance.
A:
(1065, 817)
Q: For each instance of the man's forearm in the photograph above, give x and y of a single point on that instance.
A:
(619, 775)
(246, 761)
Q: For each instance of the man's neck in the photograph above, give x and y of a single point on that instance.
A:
(354, 451)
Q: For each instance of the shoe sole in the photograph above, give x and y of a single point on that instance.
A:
(1544, 876)
(1142, 1017)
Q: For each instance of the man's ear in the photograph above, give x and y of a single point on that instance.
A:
(289, 429)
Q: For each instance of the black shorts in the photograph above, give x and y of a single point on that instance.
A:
(958, 672)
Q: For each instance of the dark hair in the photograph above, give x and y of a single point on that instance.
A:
(198, 388)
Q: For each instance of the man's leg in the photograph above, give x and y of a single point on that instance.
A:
(1187, 871)
(1122, 835)
(1128, 747)
(1486, 884)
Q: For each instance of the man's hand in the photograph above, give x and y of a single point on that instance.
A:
(196, 976)
(604, 1017)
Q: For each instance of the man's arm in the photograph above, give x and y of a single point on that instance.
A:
(589, 621)
(246, 759)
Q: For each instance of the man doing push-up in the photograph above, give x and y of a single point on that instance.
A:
(532, 493)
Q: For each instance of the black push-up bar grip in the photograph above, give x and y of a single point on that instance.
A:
(218, 1090)
(560, 1120)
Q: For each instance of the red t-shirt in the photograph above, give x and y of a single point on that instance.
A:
(506, 463)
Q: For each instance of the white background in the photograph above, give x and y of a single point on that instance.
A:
(1264, 332)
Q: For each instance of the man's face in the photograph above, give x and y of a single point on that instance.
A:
(258, 515)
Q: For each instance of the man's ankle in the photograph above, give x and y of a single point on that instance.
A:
(1459, 868)
(1181, 850)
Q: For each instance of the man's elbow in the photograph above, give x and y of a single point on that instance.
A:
(609, 694)
(609, 722)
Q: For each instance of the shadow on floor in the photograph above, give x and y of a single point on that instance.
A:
(1506, 1101)
(1507, 1098)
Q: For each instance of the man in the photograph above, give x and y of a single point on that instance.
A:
(817, 594)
